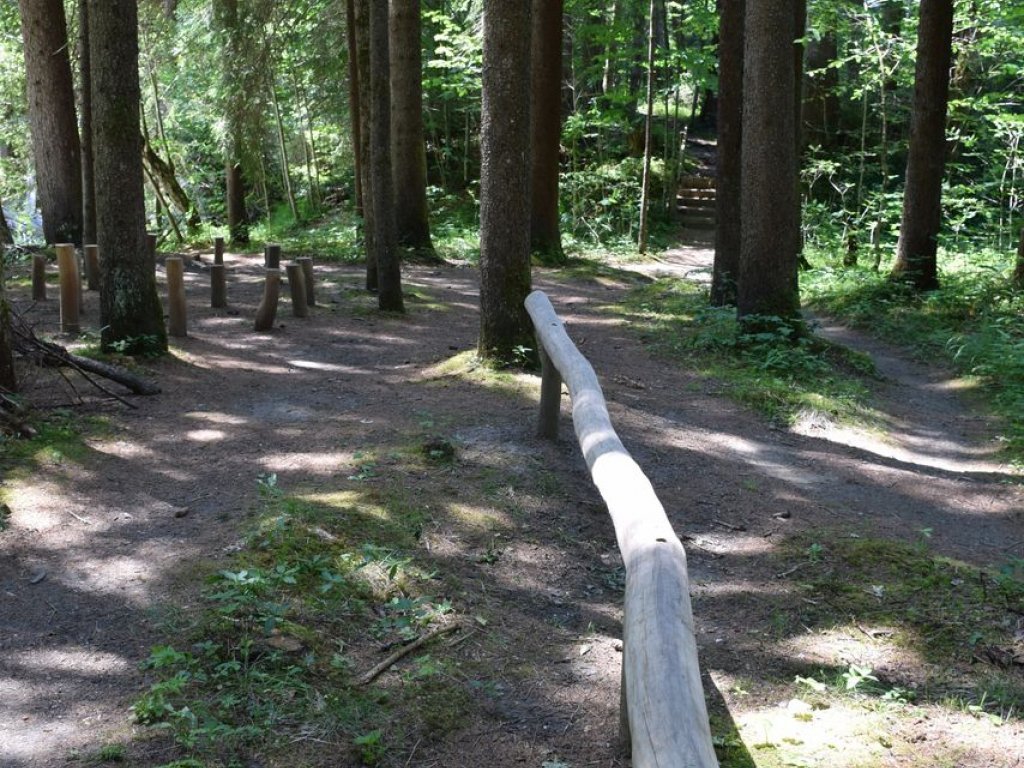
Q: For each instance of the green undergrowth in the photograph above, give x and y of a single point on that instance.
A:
(60, 438)
(960, 620)
(267, 666)
(975, 321)
(779, 372)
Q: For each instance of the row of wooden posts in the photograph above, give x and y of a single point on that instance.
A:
(299, 274)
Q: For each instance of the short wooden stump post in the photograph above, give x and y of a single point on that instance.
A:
(70, 288)
(297, 287)
(272, 256)
(550, 396)
(218, 286)
(177, 321)
(307, 274)
(38, 277)
(268, 307)
(218, 250)
(92, 267)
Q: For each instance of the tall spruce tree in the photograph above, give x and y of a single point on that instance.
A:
(130, 311)
(505, 182)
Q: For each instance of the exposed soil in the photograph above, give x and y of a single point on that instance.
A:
(98, 547)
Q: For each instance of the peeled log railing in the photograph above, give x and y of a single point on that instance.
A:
(665, 722)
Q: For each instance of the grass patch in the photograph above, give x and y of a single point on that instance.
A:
(60, 439)
(960, 619)
(771, 372)
(975, 321)
(268, 666)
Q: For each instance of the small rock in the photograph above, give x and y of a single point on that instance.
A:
(38, 576)
(182, 512)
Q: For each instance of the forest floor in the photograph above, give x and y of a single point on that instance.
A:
(105, 549)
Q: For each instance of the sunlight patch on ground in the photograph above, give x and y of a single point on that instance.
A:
(479, 518)
(123, 449)
(77, 661)
(937, 451)
(206, 435)
(323, 463)
(860, 644)
(313, 365)
(797, 733)
(216, 417)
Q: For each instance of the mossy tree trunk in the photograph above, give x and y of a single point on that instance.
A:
(130, 311)
(51, 112)
(546, 130)
(770, 239)
(917, 250)
(408, 148)
(728, 170)
(505, 182)
(385, 242)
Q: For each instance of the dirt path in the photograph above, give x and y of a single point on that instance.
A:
(96, 543)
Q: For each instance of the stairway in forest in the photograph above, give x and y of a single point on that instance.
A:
(695, 202)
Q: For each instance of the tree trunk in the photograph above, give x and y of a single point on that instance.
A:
(916, 260)
(821, 94)
(353, 101)
(505, 182)
(88, 173)
(130, 311)
(546, 130)
(728, 169)
(645, 189)
(8, 377)
(6, 238)
(51, 112)
(226, 20)
(408, 148)
(362, 27)
(286, 174)
(385, 244)
(1018, 272)
(770, 238)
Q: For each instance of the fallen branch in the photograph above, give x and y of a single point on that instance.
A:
(48, 353)
(401, 653)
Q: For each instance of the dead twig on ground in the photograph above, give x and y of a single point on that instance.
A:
(401, 653)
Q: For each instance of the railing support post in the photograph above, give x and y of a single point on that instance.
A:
(550, 396)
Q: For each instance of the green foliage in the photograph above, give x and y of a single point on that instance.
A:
(267, 661)
(973, 321)
(950, 611)
(778, 369)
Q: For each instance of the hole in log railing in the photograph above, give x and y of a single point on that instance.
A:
(664, 720)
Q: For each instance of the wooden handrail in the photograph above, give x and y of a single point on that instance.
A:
(666, 720)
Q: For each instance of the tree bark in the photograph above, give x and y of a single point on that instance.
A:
(6, 238)
(546, 130)
(385, 244)
(226, 19)
(88, 172)
(362, 29)
(353, 101)
(1018, 272)
(645, 189)
(770, 237)
(8, 376)
(51, 112)
(505, 182)
(728, 169)
(130, 310)
(916, 252)
(408, 148)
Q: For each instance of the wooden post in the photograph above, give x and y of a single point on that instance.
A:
(307, 274)
(268, 307)
(70, 288)
(297, 286)
(177, 323)
(38, 277)
(666, 713)
(272, 256)
(550, 396)
(218, 286)
(218, 250)
(92, 267)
